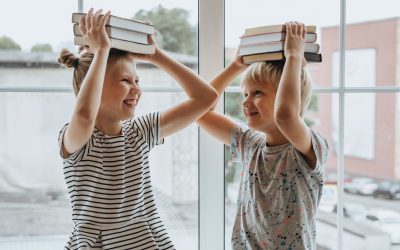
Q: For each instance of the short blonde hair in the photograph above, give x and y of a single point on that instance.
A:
(271, 72)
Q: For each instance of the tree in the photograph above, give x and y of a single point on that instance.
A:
(45, 47)
(175, 32)
(7, 43)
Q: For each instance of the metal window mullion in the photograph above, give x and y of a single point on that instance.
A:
(69, 89)
(211, 152)
(340, 162)
(80, 6)
(389, 89)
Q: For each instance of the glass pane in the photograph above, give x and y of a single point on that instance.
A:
(372, 49)
(35, 207)
(323, 14)
(28, 196)
(29, 48)
(372, 183)
(320, 117)
(176, 30)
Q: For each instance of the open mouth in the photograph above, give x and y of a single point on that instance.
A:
(250, 114)
(130, 102)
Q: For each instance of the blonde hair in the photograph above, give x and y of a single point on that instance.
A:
(271, 72)
(82, 63)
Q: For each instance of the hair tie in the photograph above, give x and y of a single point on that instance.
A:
(75, 63)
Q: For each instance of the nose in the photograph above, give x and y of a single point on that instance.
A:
(245, 102)
(136, 89)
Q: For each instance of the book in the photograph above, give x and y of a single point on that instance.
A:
(122, 23)
(274, 29)
(122, 34)
(260, 48)
(272, 37)
(122, 45)
(275, 56)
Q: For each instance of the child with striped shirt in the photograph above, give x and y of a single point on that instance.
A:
(105, 150)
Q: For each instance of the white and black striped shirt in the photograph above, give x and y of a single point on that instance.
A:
(109, 184)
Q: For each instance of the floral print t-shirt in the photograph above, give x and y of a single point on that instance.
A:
(279, 193)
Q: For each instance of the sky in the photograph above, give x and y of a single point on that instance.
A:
(48, 21)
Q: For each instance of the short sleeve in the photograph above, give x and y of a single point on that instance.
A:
(149, 127)
(321, 150)
(242, 141)
(74, 157)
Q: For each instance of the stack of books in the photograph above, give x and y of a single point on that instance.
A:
(125, 34)
(266, 43)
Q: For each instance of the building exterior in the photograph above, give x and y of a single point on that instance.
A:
(372, 121)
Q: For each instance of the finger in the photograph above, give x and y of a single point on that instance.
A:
(82, 26)
(95, 18)
(98, 17)
(298, 28)
(294, 28)
(304, 31)
(288, 29)
(105, 18)
(150, 39)
(88, 19)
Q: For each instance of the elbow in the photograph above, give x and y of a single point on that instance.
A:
(212, 98)
(86, 116)
(284, 115)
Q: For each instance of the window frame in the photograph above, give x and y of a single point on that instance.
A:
(211, 32)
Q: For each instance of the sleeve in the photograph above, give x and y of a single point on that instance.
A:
(74, 157)
(321, 149)
(239, 139)
(149, 128)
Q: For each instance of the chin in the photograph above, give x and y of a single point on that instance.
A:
(127, 116)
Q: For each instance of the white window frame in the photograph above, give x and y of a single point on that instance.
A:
(211, 153)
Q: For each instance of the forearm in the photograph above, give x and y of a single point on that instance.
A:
(195, 87)
(89, 97)
(224, 79)
(288, 96)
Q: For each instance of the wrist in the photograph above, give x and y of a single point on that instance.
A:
(294, 57)
(238, 66)
(101, 51)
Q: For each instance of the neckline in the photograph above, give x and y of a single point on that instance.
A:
(100, 133)
(274, 149)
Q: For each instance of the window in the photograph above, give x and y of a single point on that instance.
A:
(358, 117)
(355, 105)
(36, 101)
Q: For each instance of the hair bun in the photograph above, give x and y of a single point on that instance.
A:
(68, 59)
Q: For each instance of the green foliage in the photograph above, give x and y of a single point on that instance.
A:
(233, 106)
(7, 43)
(175, 33)
(41, 48)
(313, 103)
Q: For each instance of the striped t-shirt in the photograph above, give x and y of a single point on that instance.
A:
(109, 185)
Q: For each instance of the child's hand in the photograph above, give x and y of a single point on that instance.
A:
(295, 40)
(149, 58)
(93, 29)
(238, 62)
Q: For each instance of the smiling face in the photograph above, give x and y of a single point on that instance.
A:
(258, 105)
(121, 91)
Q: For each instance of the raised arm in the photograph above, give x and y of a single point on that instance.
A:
(88, 99)
(216, 124)
(288, 97)
(201, 96)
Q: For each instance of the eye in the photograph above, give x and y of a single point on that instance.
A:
(137, 82)
(245, 95)
(257, 92)
(126, 80)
